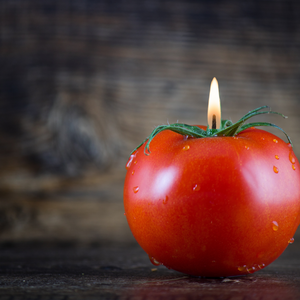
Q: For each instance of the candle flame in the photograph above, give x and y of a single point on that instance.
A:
(214, 106)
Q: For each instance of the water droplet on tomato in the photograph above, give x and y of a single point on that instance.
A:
(132, 172)
(136, 189)
(261, 266)
(251, 270)
(165, 200)
(274, 225)
(294, 168)
(275, 169)
(128, 164)
(263, 139)
(277, 157)
(135, 162)
(246, 147)
(242, 268)
(186, 147)
(291, 241)
(236, 138)
(154, 261)
(292, 158)
(196, 188)
(275, 141)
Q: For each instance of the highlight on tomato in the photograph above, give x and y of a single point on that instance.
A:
(213, 202)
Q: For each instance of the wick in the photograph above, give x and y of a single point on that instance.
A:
(214, 122)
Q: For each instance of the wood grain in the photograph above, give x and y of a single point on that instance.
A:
(83, 82)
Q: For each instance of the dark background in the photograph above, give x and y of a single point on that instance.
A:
(83, 82)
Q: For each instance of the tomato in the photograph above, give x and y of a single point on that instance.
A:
(215, 206)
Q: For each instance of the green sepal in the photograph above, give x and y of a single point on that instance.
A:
(228, 128)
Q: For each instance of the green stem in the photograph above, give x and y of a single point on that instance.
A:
(228, 128)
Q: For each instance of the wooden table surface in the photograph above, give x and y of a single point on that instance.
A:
(69, 271)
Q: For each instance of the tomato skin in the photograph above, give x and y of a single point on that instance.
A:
(214, 207)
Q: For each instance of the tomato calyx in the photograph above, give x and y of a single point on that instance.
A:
(228, 128)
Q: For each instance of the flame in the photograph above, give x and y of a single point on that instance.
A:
(214, 105)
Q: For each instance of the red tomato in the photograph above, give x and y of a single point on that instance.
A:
(217, 206)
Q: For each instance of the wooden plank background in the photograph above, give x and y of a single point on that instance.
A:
(83, 82)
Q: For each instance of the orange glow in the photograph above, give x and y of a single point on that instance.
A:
(214, 105)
